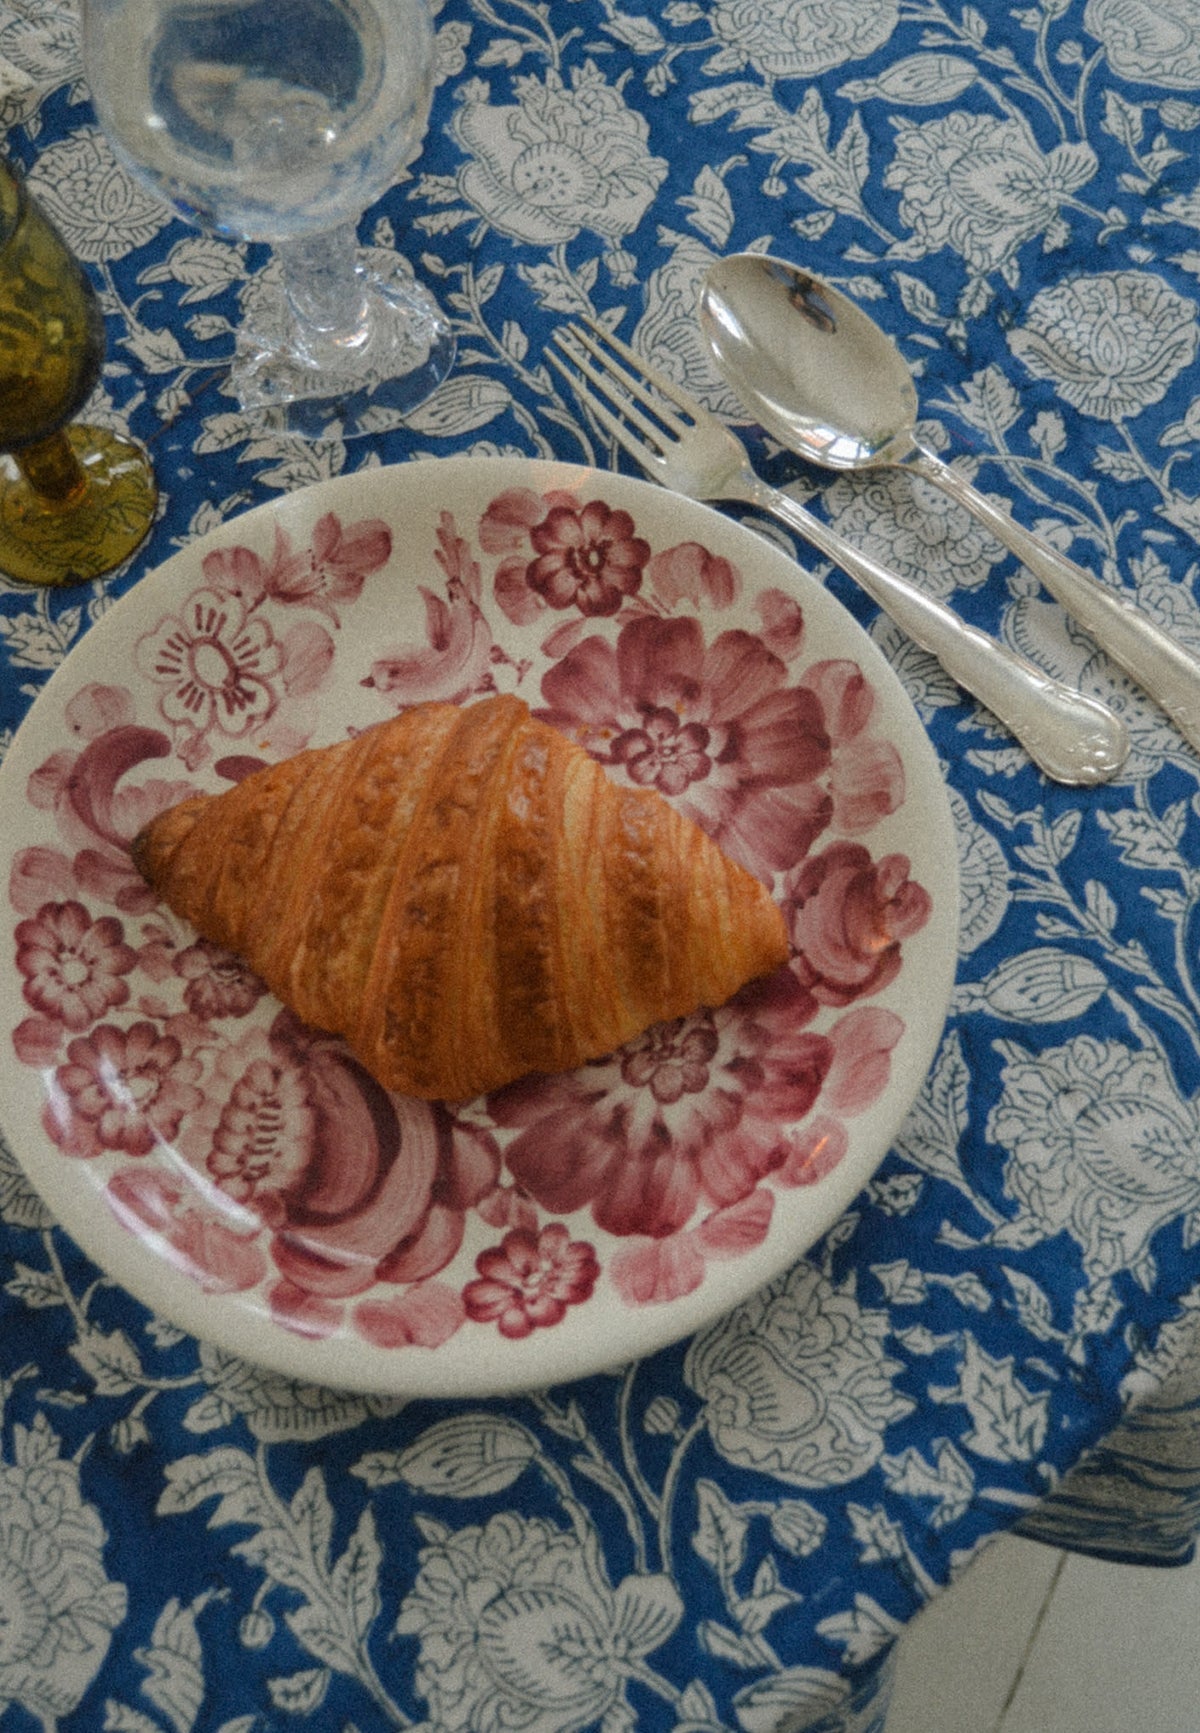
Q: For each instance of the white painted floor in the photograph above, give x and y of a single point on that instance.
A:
(1030, 1640)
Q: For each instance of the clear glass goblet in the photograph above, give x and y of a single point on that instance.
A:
(282, 121)
(75, 500)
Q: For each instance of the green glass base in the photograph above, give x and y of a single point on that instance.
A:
(70, 540)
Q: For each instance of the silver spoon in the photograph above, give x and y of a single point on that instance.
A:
(822, 377)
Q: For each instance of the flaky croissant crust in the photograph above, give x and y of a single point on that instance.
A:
(465, 896)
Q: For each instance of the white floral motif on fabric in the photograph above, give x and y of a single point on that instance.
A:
(1102, 1146)
(520, 1628)
(915, 529)
(982, 878)
(1152, 41)
(1112, 344)
(797, 1383)
(564, 160)
(58, 1609)
(981, 186)
(668, 333)
(39, 49)
(276, 1408)
(799, 38)
(97, 206)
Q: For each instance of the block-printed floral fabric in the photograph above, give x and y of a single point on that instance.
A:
(733, 1533)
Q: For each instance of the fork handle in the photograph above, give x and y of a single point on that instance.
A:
(1073, 738)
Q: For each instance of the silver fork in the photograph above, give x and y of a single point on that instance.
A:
(1073, 738)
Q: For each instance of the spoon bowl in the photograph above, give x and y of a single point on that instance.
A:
(816, 371)
(822, 378)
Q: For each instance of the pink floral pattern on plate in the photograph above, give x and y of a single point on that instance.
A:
(257, 1155)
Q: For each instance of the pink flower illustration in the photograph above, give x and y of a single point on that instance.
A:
(96, 709)
(561, 554)
(686, 1113)
(74, 966)
(672, 1059)
(215, 664)
(97, 813)
(246, 576)
(690, 573)
(746, 756)
(763, 766)
(336, 565)
(664, 753)
(218, 983)
(847, 915)
(649, 1272)
(355, 1185)
(218, 1251)
(589, 557)
(505, 526)
(120, 1089)
(331, 570)
(254, 1134)
(866, 776)
(528, 1280)
(423, 1316)
(694, 1114)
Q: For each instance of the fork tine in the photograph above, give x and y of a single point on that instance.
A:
(674, 394)
(614, 385)
(646, 456)
(644, 385)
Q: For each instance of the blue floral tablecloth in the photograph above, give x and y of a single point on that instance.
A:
(1000, 1330)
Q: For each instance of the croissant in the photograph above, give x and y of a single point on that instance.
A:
(465, 896)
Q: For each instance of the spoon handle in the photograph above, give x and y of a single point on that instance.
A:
(1162, 668)
(1071, 737)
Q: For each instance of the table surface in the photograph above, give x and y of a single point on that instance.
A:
(726, 1533)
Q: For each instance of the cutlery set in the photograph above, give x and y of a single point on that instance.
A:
(824, 380)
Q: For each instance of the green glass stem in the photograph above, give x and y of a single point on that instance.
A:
(52, 469)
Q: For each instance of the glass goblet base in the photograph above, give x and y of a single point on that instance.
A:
(73, 507)
(344, 385)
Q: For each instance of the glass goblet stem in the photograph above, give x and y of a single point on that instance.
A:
(324, 285)
(338, 338)
(52, 469)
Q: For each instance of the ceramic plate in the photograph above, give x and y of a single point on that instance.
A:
(241, 1174)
